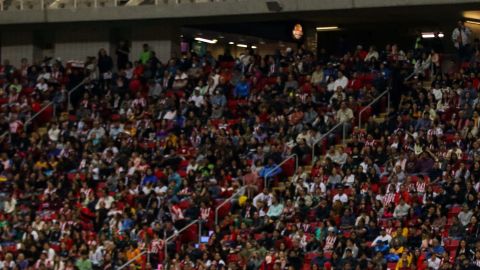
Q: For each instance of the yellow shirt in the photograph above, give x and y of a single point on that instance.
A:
(133, 253)
(397, 251)
(41, 164)
(403, 232)
(400, 262)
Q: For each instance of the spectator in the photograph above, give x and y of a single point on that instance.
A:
(242, 89)
(465, 215)
(401, 210)
(461, 36)
(145, 55)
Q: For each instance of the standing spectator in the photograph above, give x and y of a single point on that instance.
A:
(146, 54)
(461, 40)
(123, 52)
(105, 66)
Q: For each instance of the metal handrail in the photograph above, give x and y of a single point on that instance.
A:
(52, 103)
(279, 165)
(386, 92)
(29, 120)
(177, 233)
(323, 137)
(3, 135)
(132, 260)
(239, 191)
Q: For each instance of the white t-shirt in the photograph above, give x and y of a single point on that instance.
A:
(343, 198)
(343, 82)
(437, 93)
(434, 263)
(53, 134)
(41, 87)
(170, 115)
(387, 238)
(262, 197)
(198, 100)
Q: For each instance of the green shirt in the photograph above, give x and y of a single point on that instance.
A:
(84, 264)
(145, 56)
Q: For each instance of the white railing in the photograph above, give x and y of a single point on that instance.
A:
(386, 92)
(239, 192)
(333, 129)
(177, 233)
(267, 174)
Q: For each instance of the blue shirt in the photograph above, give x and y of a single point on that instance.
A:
(270, 171)
(149, 179)
(242, 89)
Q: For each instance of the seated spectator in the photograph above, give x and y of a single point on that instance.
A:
(401, 210)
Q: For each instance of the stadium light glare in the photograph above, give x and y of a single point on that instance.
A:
(473, 22)
(254, 47)
(242, 46)
(432, 35)
(231, 42)
(327, 28)
(210, 41)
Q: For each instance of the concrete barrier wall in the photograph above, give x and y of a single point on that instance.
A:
(15, 46)
(185, 10)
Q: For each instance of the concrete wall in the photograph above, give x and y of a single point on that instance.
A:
(78, 43)
(162, 39)
(187, 10)
(16, 45)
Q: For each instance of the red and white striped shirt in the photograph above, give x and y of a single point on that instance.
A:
(205, 213)
(421, 187)
(177, 213)
(330, 242)
(388, 198)
(156, 245)
(370, 143)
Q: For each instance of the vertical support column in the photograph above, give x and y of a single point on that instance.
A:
(388, 101)
(200, 231)
(165, 246)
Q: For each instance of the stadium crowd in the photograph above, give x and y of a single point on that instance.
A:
(139, 150)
